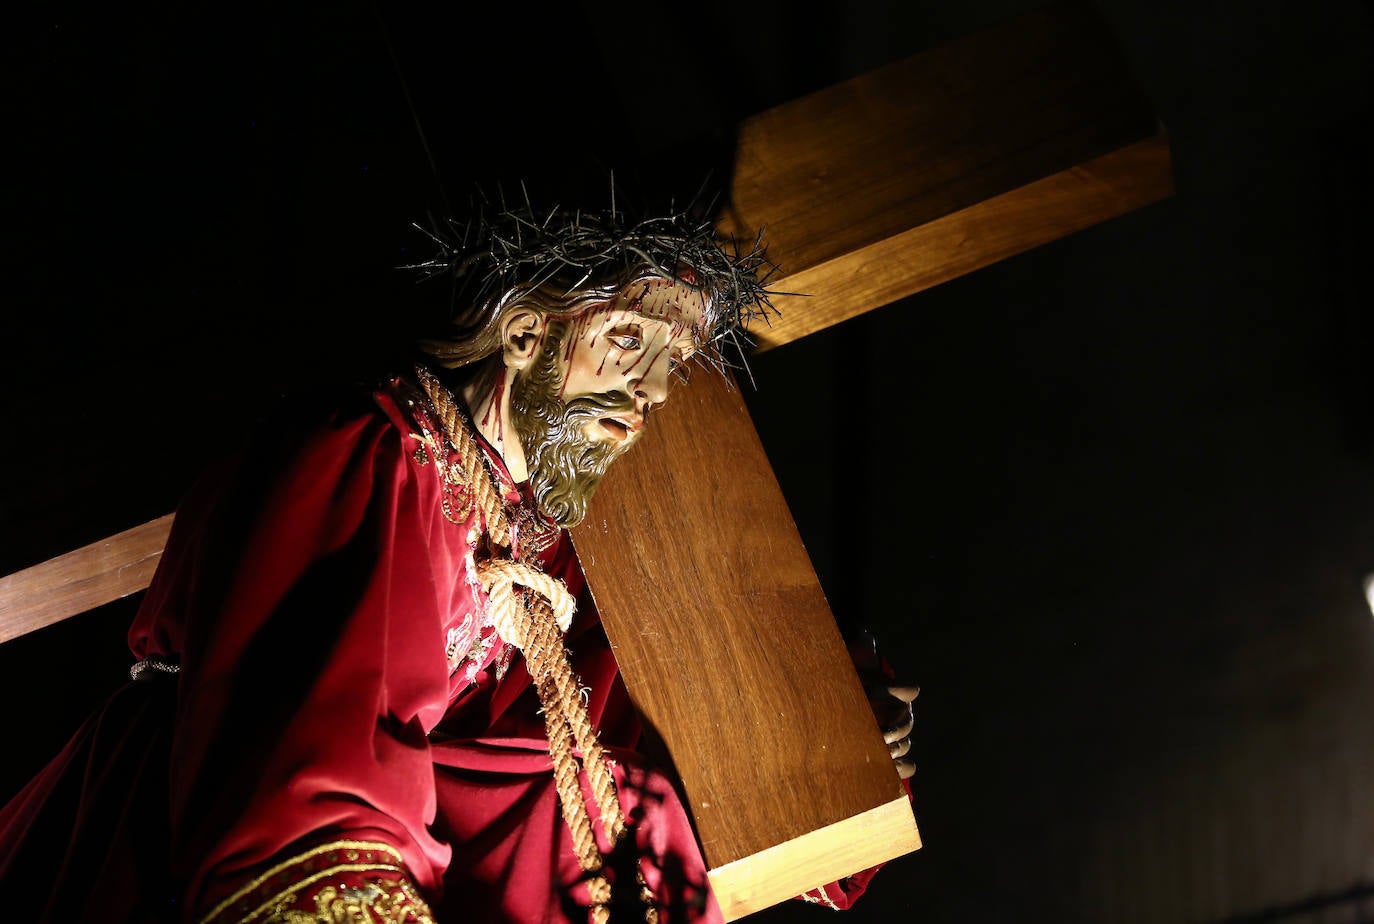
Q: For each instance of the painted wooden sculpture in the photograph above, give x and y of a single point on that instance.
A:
(871, 190)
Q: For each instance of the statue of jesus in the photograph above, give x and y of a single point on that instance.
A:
(368, 684)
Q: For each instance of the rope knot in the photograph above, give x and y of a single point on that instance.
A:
(535, 623)
(499, 578)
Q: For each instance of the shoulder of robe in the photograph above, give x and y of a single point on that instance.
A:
(287, 423)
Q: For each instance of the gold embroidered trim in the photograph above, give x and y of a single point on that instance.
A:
(352, 851)
(383, 901)
(289, 894)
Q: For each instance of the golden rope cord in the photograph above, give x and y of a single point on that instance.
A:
(498, 577)
(536, 628)
(534, 623)
(546, 644)
(487, 498)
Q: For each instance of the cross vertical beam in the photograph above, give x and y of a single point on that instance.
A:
(870, 191)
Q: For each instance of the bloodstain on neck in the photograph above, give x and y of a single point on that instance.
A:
(493, 411)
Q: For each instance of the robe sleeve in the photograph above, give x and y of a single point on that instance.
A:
(842, 894)
(311, 584)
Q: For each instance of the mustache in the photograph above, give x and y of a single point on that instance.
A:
(609, 402)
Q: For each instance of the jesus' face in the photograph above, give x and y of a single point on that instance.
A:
(586, 397)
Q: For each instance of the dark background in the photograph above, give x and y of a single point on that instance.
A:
(1110, 502)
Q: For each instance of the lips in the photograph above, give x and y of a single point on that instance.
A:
(621, 427)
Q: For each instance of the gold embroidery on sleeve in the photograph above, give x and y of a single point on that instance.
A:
(382, 901)
(385, 897)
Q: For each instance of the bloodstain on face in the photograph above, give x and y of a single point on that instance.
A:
(631, 345)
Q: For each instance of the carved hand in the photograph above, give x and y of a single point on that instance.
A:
(890, 700)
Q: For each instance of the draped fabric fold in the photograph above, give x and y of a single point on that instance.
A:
(87, 838)
(340, 681)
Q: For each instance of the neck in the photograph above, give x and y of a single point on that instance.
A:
(487, 396)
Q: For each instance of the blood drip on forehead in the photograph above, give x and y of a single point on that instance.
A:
(663, 299)
(655, 298)
(634, 296)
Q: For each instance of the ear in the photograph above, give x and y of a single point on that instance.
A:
(521, 333)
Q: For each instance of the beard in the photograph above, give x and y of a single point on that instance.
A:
(564, 465)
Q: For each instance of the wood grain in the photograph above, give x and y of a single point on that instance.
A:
(841, 178)
(967, 240)
(727, 645)
(82, 579)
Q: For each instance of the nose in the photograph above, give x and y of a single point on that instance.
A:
(652, 387)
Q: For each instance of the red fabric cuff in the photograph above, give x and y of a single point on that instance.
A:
(841, 895)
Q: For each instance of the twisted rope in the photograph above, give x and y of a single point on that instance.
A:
(534, 621)
(485, 494)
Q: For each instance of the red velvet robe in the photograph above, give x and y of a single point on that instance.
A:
(339, 682)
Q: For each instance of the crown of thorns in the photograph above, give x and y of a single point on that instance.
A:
(507, 249)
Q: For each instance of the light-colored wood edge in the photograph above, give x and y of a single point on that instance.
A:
(81, 580)
(969, 239)
(821, 856)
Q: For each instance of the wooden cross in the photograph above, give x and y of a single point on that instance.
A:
(870, 191)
